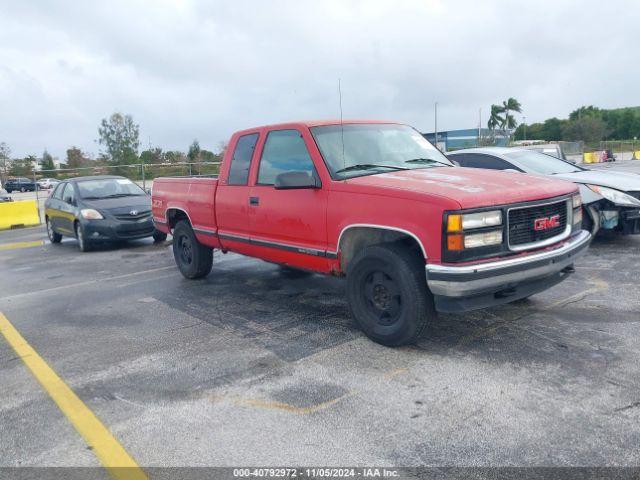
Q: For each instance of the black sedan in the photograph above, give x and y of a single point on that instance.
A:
(99, 208)
(20, 184)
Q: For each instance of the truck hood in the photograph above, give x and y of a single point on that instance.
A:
(626, 182)
(470, 187)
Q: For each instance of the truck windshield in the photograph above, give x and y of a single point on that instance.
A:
(354, 150)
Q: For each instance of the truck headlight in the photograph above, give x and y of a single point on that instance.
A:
(467, 221)
(91, 214)
(616, 196)
(462, 230)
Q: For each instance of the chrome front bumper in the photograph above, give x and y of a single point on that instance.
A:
(492, 277)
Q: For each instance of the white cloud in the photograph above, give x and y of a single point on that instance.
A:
(188, 70)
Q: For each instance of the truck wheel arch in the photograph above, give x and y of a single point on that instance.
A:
(174, 215)
(357, 236)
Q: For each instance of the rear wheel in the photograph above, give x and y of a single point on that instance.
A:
(51, 233)
(193, 259)
(388, 295)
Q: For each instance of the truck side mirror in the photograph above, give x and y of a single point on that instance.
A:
(295, 180)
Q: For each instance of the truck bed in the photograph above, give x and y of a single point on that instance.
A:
(190, 197)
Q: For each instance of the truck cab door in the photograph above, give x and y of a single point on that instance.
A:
(232, 195)
(288, 225)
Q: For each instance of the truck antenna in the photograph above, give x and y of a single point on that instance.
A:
(341, 122)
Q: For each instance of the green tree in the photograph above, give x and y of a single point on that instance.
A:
(120, 136)
(23, 167)
(194, 152)
(5, 161)
(46, 162)
(508, 121)
(495, 120)
(76, 159)
(583, 111)
(152, 156)
(587, 128)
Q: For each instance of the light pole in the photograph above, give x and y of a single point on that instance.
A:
(524, 127)
(436, 126)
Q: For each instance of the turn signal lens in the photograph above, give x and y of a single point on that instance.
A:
(454, 223)
(455, 241)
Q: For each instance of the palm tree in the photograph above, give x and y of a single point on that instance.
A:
(495, 119)
(509, 121)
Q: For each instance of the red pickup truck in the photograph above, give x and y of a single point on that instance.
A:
(376, 202)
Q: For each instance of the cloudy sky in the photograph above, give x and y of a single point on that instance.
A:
(187, 69)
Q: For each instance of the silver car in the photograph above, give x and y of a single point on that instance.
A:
(611, 199)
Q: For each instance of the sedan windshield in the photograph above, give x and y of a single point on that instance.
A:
(354, 150)
(109, 188)
(535, 162)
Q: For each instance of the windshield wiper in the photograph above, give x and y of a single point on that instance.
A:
(426, 160)
(114, 195)
(368, 166)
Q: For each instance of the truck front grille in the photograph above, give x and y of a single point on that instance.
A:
(522, 224)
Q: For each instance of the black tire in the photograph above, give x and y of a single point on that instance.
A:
(54, 237)
(159, 236)
(83, 244)
(193, 259)
(388, 294)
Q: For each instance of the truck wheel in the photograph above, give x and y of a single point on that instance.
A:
(388, 295)
(193, 259)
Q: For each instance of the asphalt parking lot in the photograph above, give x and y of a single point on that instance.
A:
(258, 366)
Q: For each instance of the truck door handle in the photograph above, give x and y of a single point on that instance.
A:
(254, 201)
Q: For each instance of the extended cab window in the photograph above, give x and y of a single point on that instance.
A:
(284, 151)
(241, 159)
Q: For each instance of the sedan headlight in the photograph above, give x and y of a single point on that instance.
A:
(91, 214)
(616, 196)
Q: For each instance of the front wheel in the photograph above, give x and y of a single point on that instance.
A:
(83, 243)
(51, 233)
(193, 259)
(388, 295)
(159, 236)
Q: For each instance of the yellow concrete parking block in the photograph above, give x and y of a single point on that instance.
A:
(111, 454)
(19, 214)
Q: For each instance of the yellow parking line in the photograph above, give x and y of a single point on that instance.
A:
(108, 450)
(16, 245)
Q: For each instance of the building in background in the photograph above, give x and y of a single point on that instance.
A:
(472, 137)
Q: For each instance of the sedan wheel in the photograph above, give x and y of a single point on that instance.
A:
(83, 244)
(53, 236)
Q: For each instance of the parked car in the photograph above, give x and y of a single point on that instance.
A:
(380, 204)
(611, 199)
(4, 196)
(47, 183)
(552, 149)
(99, 208)
(20, 184)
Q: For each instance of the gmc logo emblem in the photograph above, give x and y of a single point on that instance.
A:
(546, 223)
